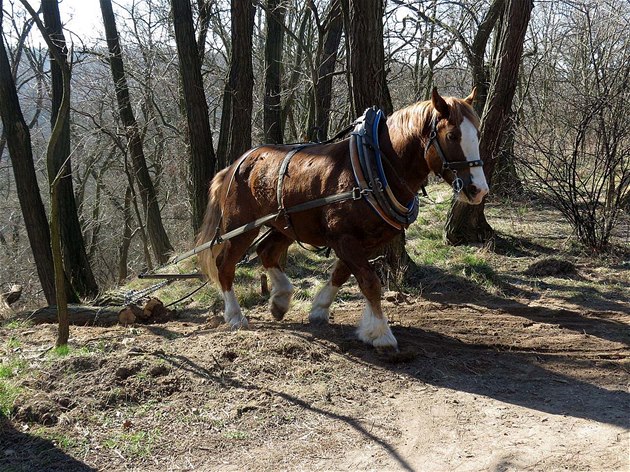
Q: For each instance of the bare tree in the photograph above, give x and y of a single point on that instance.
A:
(55, 174)
(76, 262)
(19, 144)
(159, 239)
(328, 50)
(202, 159)
(364, 30)
(236, 119)
(577, 157)
(272, 121)
(467, 223)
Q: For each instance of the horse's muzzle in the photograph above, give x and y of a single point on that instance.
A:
(473, 194)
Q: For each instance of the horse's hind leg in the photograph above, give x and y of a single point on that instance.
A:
(320, 309)
(231, 253)
(270, 250)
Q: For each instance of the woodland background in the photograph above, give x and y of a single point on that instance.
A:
(181, 89)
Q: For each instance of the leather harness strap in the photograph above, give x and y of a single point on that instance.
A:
(283, 171)
(362, 182)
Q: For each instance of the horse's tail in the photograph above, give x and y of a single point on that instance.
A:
(211, 221)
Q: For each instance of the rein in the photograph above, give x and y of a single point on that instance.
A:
(453, 166)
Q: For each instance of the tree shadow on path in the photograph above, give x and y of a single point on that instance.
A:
(23, 452)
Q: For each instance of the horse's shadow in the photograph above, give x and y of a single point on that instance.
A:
(501, 372)
(519, 378)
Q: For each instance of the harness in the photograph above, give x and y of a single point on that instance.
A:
(453, 166)
(371, 183)
(369, 175)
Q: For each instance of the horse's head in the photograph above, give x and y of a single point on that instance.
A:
(452, 147)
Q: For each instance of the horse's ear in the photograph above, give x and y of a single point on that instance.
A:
(439, 104)
(471, 98)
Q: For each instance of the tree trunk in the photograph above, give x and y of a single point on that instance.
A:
(54, 177)
(369, 87)
(75, 259)
(236, 123)
(19, 144)
(202, 159)
(159, 239)
(479, 69)
(204, 21)
(123, 249)
(367, 59)
(272, 117)
(467, 223)
(287, 109)
(333, 29)
(506, 182)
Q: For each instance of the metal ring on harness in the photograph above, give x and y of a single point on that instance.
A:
(458, 184)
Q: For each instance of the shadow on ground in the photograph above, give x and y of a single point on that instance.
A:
(23, 452)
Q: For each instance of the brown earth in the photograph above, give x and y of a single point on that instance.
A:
(481, 383)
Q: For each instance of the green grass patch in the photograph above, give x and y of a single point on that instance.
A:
(12, 368)
(249, 296)
(13, 343)
(60, 440)
(8, 394)
(477, 268)
(134, 444)
(60, 351)
(17, 324)
(238, 435)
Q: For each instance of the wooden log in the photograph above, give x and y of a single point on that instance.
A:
(86, 315)
(79, 315)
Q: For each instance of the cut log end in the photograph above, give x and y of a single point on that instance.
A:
(12, 296)
(153, 311)
(128, 315)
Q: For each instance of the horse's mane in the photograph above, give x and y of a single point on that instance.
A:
(415, 119)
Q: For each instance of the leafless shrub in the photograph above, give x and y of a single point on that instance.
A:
(575, 142)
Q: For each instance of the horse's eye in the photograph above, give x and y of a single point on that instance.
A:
(451, 136)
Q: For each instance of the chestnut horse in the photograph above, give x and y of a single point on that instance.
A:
(424, 137)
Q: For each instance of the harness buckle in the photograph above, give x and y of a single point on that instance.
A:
(379, 184)
(358, 193)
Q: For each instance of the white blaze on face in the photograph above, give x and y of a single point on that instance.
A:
(470, 148)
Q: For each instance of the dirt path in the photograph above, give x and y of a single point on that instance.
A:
(487, 385)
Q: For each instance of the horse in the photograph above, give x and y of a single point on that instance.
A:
(439, 136)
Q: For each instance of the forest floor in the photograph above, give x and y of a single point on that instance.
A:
(510, 359)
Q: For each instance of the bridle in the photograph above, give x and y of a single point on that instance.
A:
(453, 166)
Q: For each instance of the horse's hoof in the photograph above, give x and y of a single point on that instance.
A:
(387, 350)
(277, 312)
(318, 321)
(386, 341)
(318, 317)
(240, 323)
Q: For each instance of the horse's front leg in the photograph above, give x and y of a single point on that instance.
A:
(320, 309)
(373, 328)
(270, 250)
